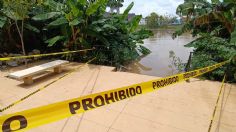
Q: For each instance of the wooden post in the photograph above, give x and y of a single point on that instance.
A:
(188, 65)
(57, 69)
(28, 80)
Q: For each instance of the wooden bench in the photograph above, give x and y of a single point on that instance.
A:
(27, 74)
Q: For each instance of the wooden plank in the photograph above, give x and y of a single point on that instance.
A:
(37, 69)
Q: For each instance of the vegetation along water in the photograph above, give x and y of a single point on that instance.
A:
(214, 24)
(54, 26)
(160, 62)
(64, 25)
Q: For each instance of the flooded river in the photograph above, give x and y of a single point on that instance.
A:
(158, 62)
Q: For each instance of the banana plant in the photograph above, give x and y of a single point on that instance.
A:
(203, 14)
(191, 8)
(71, 17)
(82, 24)
(214, 24)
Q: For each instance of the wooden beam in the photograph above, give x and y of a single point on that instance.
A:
(28, 80)
(58, 69)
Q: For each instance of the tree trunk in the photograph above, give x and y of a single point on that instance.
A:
(21, 34)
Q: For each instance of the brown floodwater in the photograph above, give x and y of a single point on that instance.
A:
(158, 62)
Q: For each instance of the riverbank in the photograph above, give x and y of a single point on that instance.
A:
(166, 27)
(177, 108)
(159, 63)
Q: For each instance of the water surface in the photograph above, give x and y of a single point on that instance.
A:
(157, 63)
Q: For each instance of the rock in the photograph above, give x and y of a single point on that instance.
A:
(21, 61)
(12, 63)
(14, 55)
(35, 51)
(5, 54)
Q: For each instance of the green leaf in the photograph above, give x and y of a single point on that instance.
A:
(53, 5)
(83, 2)
(144, 50)
(16, 10)
(135, 22)
(76, 12)
(109, 26)
(32, 28)
(2, 21)
(84, 43)
(100, 21)
(58, 22)
(93, 7)
(215, 1)
(127, 10)
(53, 40)
(233, 36)
(95, 34)
(74, 22)
(97, 29)
(46, 16)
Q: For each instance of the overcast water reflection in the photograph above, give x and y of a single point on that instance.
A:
(157, 63)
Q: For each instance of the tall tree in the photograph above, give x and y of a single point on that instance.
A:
(152, 20)
(17, 12)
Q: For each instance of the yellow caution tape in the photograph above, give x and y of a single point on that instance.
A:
(42, 88)
(43, 55)
(50, 113)
(216, 105)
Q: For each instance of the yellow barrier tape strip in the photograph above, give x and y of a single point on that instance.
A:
(43, 55)
(216, 105)
(35, 117)
(44, 87)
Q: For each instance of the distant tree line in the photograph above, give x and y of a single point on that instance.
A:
(154, 20)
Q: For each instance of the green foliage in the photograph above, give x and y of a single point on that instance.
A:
(53, 40)
(214, 24)
(155, 21)
(204, 17)
(127, 10)
(46, 16)
(16, 9)
(152, 20)
(115, 3)
(144, 50)
(32, 28)
(135, 23)
(59, 21)
(176, 63)
(116, 42)
(59, 25)
(233, 36)
(211, 50)
(3, 21)
(92, 8)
